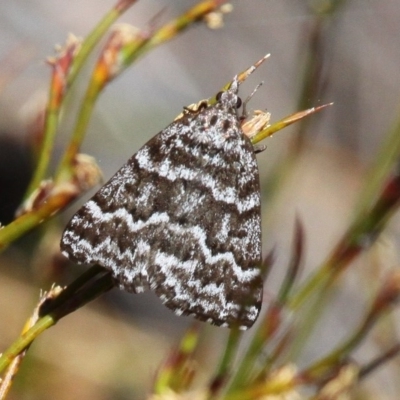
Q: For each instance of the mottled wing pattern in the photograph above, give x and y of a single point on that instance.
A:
(182, 217)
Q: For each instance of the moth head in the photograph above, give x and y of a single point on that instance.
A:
(229, 98)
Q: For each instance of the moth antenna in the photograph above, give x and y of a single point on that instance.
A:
(244, 110)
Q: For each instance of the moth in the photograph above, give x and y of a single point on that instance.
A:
(182, 217)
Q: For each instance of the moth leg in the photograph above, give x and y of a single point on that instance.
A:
(196, 108)
(259, 148)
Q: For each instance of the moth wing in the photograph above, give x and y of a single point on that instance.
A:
(182, 217)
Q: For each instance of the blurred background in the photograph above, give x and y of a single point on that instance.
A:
(111, 348)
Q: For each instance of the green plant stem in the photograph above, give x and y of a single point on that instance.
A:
(333, 359)
(64, 170)
(71, 304)
(54, 103)
(96, 35)
(172, 28)
(314, 69)
(385, 161)
(321, 278)
(380, 360)
(265, 330)
(24, 341)
(50, 128)
(284, 122)
(229, 354)
(306, 319)
(294, 264)
(27, 221)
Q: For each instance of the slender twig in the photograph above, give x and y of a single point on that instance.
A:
(60, 84)
(92, 290)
